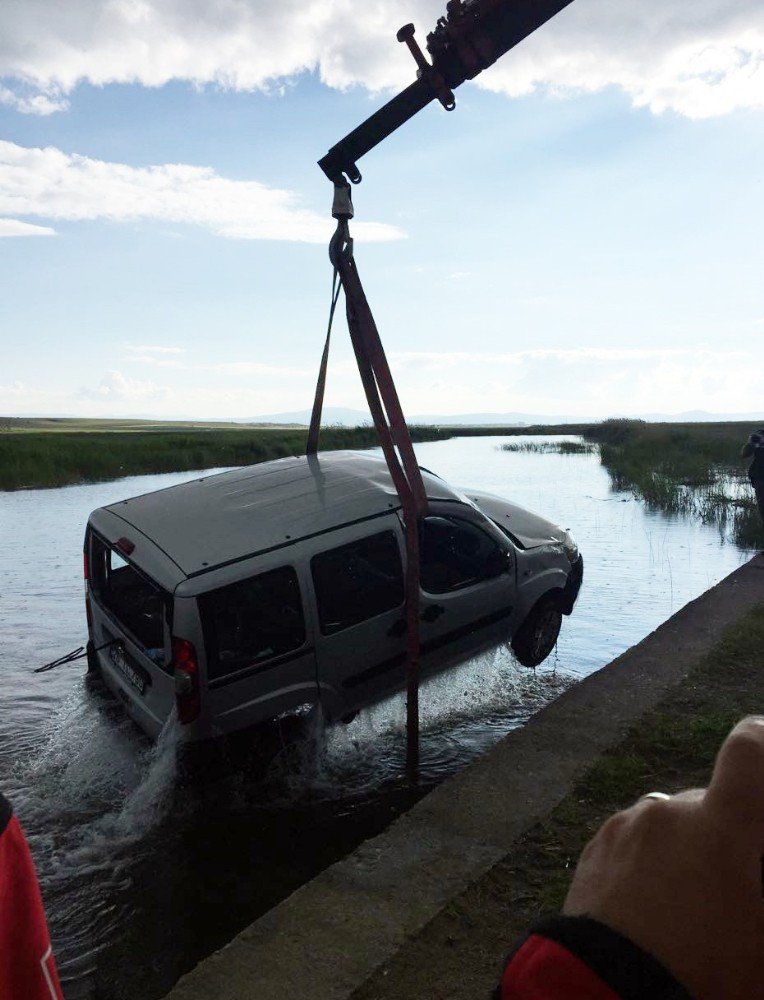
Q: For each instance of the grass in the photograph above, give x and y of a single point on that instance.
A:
(39, 459)
(460, 953)
(691, 469)
(671, 748)
(552, 447)
(43, 452)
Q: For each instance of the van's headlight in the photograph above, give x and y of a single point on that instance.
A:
(569, 546)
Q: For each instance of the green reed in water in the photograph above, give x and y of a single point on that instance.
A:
(554, 447)
(690, 469)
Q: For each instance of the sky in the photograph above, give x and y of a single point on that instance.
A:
(581, 236)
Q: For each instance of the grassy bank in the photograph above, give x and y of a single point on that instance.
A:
(460, 953)
(34, 459)
(56, 452)
(693, 469)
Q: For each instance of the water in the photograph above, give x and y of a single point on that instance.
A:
(145, 871)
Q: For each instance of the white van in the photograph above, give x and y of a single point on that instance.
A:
(253, 593)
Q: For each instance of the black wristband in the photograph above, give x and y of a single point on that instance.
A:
(632, 973)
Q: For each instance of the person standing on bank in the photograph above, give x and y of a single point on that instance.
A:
(754, 448)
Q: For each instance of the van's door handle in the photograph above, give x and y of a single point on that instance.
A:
(432, 612)
(397, 629)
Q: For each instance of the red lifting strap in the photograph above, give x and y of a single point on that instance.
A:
(392, 430)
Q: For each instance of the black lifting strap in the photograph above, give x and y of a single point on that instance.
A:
(318, 403)
(394, 437)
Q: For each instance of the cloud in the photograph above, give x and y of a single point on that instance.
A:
(34, 102)
(255, 368)
(119, 395)
(168, 357)
(699, 59)
(114, 386)
(567, 356)
(156, 356)
(13, 227)
(15, 389)
(592, 381)
(52, 184)
(156, 349)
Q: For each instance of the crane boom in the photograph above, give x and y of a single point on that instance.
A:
(470, 38)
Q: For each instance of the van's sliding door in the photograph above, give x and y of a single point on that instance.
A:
(359, 595)
(259, 650)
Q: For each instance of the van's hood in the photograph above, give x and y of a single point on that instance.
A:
(528, 528)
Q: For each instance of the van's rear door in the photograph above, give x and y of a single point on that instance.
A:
(131, 614)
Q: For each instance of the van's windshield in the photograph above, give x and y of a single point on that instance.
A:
(132, 598)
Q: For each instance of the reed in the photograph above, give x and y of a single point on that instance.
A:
(551, 447)
(42, 452)
(32, 459)
(690, 469)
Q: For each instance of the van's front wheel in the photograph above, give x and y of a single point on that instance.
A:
(537, 636)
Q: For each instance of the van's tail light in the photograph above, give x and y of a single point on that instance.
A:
(187, 689)
(86, 572)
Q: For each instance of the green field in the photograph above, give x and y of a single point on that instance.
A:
(91, 452)
(46, 452)
(690, 469)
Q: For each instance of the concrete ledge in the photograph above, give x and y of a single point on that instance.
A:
(334, 932)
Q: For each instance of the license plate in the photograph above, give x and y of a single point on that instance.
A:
(119, 659)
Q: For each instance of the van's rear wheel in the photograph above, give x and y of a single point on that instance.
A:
(537, 636)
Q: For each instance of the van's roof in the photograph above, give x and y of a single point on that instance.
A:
(222, 518)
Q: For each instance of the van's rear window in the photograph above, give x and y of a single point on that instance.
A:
(252, 621)
(134, 600)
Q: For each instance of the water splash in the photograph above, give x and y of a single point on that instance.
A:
(150, 801)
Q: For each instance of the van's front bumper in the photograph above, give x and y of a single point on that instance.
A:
(573, 586)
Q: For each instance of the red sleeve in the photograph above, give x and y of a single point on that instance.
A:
(27, 967)
(544, 970)
(577, 958)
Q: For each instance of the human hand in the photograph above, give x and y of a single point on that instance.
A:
(681, 876)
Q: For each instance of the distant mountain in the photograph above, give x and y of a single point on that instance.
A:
(332, 415)
(344, 417)
(703, 417)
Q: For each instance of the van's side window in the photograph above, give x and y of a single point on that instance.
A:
(136, 602)
(456, 554)
(357, 581)
(252, 621)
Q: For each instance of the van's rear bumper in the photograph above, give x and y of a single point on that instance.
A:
(573, 586)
